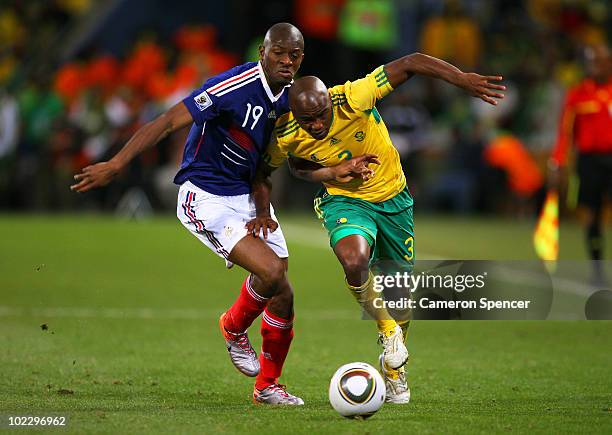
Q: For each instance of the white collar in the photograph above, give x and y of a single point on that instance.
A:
(264, 82)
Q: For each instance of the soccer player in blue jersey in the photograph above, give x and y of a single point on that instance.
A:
(232, 117)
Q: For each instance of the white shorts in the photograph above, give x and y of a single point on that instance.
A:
(218, 221)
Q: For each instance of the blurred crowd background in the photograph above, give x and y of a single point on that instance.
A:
(78, 77)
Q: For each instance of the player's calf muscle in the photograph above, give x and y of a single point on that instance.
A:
(281, 304)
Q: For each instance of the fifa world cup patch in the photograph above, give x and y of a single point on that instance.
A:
(202, 101)
(342, 220)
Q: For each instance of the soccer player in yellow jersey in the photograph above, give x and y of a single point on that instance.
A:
(367, 214)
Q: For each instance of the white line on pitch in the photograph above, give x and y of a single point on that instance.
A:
(155, 313)
(309, 236)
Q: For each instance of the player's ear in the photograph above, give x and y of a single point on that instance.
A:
(262, 51)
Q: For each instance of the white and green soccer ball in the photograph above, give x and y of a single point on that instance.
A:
(357, 390)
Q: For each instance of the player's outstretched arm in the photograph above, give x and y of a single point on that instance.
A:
(400, 70)
(100, 174)
(356, 167)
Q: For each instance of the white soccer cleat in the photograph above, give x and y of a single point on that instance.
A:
(241, 352)
(394, 349)
(275, 394)
(397, 389)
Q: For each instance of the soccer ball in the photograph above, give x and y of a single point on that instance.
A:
(357, 390)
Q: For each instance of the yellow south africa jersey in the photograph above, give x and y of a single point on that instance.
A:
(356, 129)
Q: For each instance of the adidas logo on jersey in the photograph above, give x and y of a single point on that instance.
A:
(272, 115)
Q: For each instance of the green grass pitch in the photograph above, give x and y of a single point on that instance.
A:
(132, 344)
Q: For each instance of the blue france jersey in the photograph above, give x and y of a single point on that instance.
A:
(234, 115)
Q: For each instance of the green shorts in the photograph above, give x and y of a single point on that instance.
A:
(388, 226)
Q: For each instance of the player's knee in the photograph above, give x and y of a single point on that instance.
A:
(355, 265)
(274, 276)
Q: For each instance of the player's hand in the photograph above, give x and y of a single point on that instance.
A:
(357, 167)
(262, 224)
(481, 87)
(93, 176)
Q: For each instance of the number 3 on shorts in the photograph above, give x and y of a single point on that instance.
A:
(410, 247)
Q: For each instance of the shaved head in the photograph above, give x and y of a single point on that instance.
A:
(283, 32)
(310, 103)
(308, 92)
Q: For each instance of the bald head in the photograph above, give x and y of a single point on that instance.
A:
(311, 106)
(307, 92)
(283, 33)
